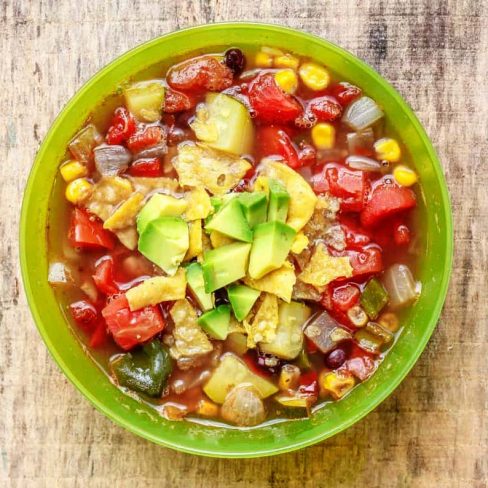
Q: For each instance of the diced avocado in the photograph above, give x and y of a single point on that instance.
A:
(279, 200)
(225, 124)
(271, 245)
(232, 372)
(145, 100)
(194, 277)
(242, 298)
(165, 241)
(160, 205)
(216, 322)
(288, 341)
(254, 206)
(225, 265)
(145, 370)
(230, 221)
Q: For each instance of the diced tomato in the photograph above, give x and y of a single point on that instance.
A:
(311, 347)
(365, 262)
(344, 297)
(201, 73)
(309, 384)
(362, 367)
(274, 141)
(307, 155)
(270, 102)
(147, 138)
(99, 336)
(324, 109)
(122, 127)
(86, 231)
(175, 101)
(104, 276)
(401, 234)
(345, 93)
(85, 314)
(131, 328)
(146, 167)
(356, 237)
(358, 352)
(386, 199)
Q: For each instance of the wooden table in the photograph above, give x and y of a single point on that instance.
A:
(433, 431)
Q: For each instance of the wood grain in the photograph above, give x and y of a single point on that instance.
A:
(433, 431)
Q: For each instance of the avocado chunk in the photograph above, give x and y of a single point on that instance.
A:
(242, 298)
(216, 322)
(279, 200)
(165, 242)
(232, 372)
(225, 265)
(145, 370)
(194, 277)
(224, 124)
(271, 245)
(230, 221)
(160, 205)
(254, 206)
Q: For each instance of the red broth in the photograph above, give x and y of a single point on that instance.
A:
(350, 273)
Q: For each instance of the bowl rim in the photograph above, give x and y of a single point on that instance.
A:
(408, 364)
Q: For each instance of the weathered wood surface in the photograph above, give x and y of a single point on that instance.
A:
(433, 431)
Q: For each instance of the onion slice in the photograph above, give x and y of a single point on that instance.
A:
(363, 163)
(400, 285)
(362, 113)
(156, 151)
(111, 160)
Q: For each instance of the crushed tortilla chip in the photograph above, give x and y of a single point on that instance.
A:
(199, 205)
(265, 321)
(324, 268)
(108, 193)
(156, 290)
(279, 282)
(162, 184)
(125, 214)
(218, 239)
(128, 237)
(302, 197)
(195, 247)
(300, 242)
(190, 340)
(206, 246)
(199, 165)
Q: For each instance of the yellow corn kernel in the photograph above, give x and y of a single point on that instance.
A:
(206, 408)
(72, 169)
(389, 321)
(323, 136)
(263, 60)
(272, 51)
(78, 190)
(404, 175)
(314, 76)
(286, 61)
(387, 149)
(335, 383)
(287, 80)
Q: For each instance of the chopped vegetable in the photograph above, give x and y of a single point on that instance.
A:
(287, 80)
(389, 320)
(78, 191)
(357, 316)
(323, 136)
(374, 298)
(145, 370)
(373, 337)
(362, 113)
(82, 145)
(216, 322)
(71, 170)
(289, 377)
(59, 274)
(286, 61)
(196, 284)
(361, 144)
(111, 160)
(243, 407)
(145, 167)
(157, 206)
(336, 383)
(400, 285)
(156, 290)
(405, 176)
(274, 140)
(145, 100)
(87, 232)
(387, 149)
(314, 76)
(242, 298)
(325, 332)
(122, 127)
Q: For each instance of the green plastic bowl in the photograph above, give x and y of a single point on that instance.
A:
(434, 266)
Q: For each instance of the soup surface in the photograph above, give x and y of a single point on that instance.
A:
(238, 237)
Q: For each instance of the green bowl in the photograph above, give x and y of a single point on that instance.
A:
(434, 267)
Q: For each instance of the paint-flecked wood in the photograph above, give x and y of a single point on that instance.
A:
(433, 431)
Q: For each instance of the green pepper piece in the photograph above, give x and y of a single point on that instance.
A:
(144, 370)
(303, 361)
(374, 298)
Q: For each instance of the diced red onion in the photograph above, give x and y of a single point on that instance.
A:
(362, 113)
(400, 285)
(361, 142)
(81, 146)
(156, 151)
(111, 160)
(363, 163)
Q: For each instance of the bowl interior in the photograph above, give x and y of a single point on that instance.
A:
(434, 268)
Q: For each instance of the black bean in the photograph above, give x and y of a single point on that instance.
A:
(335, 359)
(235, 60)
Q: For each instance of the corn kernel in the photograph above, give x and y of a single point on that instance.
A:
(206, 408)
(272, 51)
(289, 377)
(263, 60)
(387, 149)
(287, 80)
(336, 384)
(78, 190)
(389, 321)
(314, 76)
(323, 136)
(286, 61)
(72, 169)
(405, 176)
